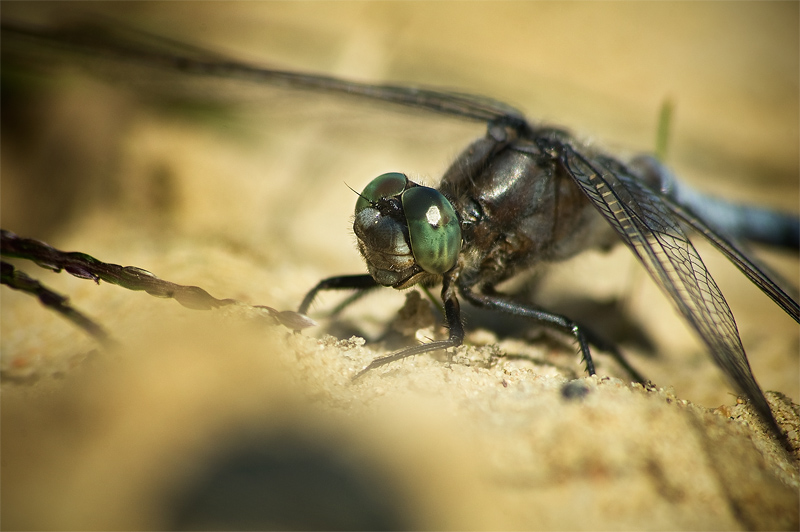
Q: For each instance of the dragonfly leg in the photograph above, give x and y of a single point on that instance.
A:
(616, 354)
(341, 282)
(555, 321)
(452, 312)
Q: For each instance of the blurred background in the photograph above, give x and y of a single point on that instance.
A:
(243, 189)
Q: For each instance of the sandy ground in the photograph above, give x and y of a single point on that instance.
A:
(242, 191)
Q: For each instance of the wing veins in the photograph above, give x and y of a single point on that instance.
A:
(672, 261)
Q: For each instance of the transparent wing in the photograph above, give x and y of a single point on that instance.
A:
(758, 273)
(130, 45)
(648, 225)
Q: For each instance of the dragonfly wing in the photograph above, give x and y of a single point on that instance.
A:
(137, 46)
(651, 230)
(757, 273)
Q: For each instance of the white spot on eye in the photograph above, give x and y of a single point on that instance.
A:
(433, 215)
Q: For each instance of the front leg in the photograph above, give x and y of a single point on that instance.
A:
(452, 312)
(341, 282)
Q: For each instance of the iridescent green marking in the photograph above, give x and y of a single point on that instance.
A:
(433, 229)
(383, 186)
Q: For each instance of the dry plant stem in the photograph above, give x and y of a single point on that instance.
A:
(21, 281)
(85, 266)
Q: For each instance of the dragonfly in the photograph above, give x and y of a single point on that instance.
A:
(521, 195)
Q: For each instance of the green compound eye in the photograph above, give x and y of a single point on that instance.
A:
(383, 186)
(433, 229)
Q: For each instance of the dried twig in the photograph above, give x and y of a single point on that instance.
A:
(85, 266)
(18, 280)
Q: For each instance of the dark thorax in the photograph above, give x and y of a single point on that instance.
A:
(517, 207)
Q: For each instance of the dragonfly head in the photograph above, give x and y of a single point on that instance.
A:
(405, 231)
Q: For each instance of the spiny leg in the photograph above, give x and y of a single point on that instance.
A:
(341, 282)
(584, 335)
(452, 312)
(613, 350)
(555, 321)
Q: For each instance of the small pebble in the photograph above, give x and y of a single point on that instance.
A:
(575, 389)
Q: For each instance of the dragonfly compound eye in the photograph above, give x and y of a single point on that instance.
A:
(383, 186)
(433, 229)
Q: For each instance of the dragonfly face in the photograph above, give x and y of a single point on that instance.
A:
(405, 232)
